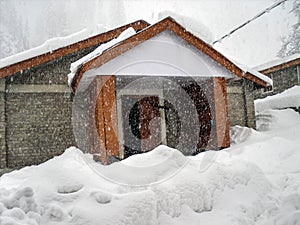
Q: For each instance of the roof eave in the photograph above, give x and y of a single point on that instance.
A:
(49, 56)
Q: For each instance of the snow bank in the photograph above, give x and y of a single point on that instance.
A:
(68, 190)
(286, 99)
(98, 51)
(51, 45)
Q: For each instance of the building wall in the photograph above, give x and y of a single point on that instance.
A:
(240, 96)
(2, 125)
(282, 80)
(38, 113)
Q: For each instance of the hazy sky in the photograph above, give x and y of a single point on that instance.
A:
(257, 43)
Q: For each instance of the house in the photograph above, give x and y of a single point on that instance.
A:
(284, 72)
(150, 86)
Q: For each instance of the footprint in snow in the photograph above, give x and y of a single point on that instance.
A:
(68, 189)
(101, 197)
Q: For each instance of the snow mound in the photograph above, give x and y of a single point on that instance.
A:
(148, 168)
(276, 119)
(239, 134)
(286, 99)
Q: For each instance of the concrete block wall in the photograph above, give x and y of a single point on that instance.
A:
(36, 113)
(2, 125)
(240, 96)
(282, 80)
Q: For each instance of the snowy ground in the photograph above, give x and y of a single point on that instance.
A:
(256, 181)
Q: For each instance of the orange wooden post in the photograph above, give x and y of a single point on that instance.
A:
(110, 116)
(221, 110)
(99, 122)
(106, 118)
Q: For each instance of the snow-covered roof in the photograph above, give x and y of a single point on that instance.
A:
(48, 46)
(254, 72)
(98, 51)
(170, 23)
(60, 46)
(277, 62)
(191, 24)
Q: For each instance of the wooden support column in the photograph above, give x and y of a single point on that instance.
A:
(221, 110)
(106, 119)
(110, 115)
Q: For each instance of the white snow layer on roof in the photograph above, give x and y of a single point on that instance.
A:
(256, 181)
(98, 51)
(163, 55)
(51, 45)
(277, 62)
(190, 24)
(286, 99)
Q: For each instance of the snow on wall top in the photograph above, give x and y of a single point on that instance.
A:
(98, 51)
(50, 45)
(277, 62)
(285, 99)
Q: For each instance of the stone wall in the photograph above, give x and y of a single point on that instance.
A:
(36, 113)
(240, 96)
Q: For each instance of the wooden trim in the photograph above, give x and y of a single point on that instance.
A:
(151, 31)
(281, 66)
(37, 60)
(255, 79)
(221, 111)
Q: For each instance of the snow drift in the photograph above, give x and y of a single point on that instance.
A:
(286, 99)
(256, 181)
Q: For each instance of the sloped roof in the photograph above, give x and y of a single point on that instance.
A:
(279, 64)
(27, 61)
(153, 30)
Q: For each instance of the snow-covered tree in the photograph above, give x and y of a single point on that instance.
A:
(113, 13)
(291, 43)
(57, 21)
